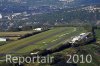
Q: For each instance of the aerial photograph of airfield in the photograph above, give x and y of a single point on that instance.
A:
(66, 31)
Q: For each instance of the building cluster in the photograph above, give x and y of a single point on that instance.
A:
(82, 38)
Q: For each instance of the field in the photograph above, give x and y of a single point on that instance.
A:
(51, 39)
(44, 40)
(15, 35)
(20, 33)
(93, 49)
(3, 43)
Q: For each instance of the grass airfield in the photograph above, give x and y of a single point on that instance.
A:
(50, 39)
(43, 40)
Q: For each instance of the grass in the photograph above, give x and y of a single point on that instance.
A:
(15, 35)
(3, 43)
(48, 42)
(14, 38)
(10, 46)
(67, 38)
(89, 49)
(20, 33)
(44, 43)
(97, 34)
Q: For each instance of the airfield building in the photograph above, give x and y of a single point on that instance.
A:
(38, 29)
(3, 39)
(82, 39)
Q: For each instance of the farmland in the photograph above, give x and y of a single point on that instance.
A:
(20, 33)
(15, 35)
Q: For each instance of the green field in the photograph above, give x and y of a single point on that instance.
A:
(15, 35)
(43, 40)
(20, 33)
(93, 49)
(3, 43)
(98, 34)
(51, 39)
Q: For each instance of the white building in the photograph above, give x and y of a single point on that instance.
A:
(38, 29)
(0, 16)
(3, 39)
(76, 38)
